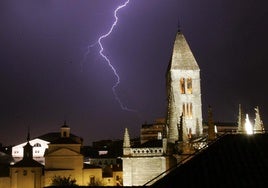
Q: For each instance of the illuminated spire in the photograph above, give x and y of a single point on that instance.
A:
(126, 143)
(183, 57)
(258, 126)
(248, 125)
(241, 120)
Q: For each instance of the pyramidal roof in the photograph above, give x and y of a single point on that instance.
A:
(182, 56)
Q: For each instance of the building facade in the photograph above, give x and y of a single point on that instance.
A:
(39, 148)
(154, 131)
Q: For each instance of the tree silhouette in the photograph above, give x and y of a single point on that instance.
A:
(63, 181)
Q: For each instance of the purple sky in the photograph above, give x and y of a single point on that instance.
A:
(45, 79)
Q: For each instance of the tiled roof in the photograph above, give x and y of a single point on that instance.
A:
(50, 137)
(235, 160)
(64, 140)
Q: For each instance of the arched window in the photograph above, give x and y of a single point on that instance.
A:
(189, 86)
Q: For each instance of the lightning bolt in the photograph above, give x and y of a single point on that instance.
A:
(99, 42)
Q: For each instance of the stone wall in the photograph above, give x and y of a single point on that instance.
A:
(139, 170)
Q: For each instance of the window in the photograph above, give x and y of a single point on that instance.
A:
(182, 85)
(189, 86)
(190, 110)
(24, 172)
(37, 145)
(187, 110)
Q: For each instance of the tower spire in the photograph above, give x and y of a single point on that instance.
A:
(28, 134)
(28, 149)
(258, 125)
(126, 143)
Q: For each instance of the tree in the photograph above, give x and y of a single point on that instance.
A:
(63, 181)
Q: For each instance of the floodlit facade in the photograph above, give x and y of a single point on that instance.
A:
(39, 148)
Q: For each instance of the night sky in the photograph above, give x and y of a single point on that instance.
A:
(50, 69)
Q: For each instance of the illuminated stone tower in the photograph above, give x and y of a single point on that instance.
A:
(183, 90)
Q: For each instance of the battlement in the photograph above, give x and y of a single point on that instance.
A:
(146, 151)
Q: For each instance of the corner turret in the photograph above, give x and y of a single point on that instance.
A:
(126, 143)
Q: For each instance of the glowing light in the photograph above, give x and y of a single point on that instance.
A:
(215, 129)
(100, 39)
(248, 126)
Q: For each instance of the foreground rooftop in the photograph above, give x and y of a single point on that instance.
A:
(234, 160)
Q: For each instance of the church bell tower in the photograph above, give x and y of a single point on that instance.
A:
(183, 91)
